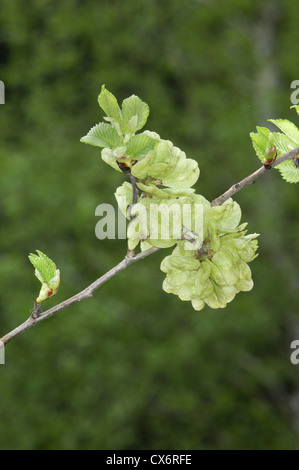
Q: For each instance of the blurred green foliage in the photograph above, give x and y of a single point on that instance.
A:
(133, 367)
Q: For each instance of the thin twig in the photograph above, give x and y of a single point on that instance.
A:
(84, 294)
(251, 178)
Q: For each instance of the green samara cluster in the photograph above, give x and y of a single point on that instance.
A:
(209, 263)
(217, 270)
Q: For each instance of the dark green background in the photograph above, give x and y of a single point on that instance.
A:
(134, 367)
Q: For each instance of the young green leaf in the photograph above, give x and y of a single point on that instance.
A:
(47, 274)
(288, 128)
(289, 171)
(283, 143)
(135, 113)
(102, 135)
(259, 141)
(44, 265)
(109, 105)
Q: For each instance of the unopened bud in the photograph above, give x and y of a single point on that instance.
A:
(271, 152)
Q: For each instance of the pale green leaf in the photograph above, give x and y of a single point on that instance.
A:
(283, 143)
(288, 128)
(109, 105)
(115, 124)
(263, 131)
(259, 141)
(131, 107)
(102, 135)
(289, 171)
(132, 125)
(45, 266)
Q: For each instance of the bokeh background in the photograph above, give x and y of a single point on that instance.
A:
(134, 367)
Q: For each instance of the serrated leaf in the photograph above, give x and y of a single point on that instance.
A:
(263, 131)
(102, 135)
(289, 171)
(109, 105)
(140, 144)
(288, 128)
(131, 107)
(132, 125)
(259, 142)
(283, 143)
(115, 124)
(45, 266)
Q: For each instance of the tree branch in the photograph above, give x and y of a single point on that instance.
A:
(251, 178)
(130, 259)
(84, 294)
